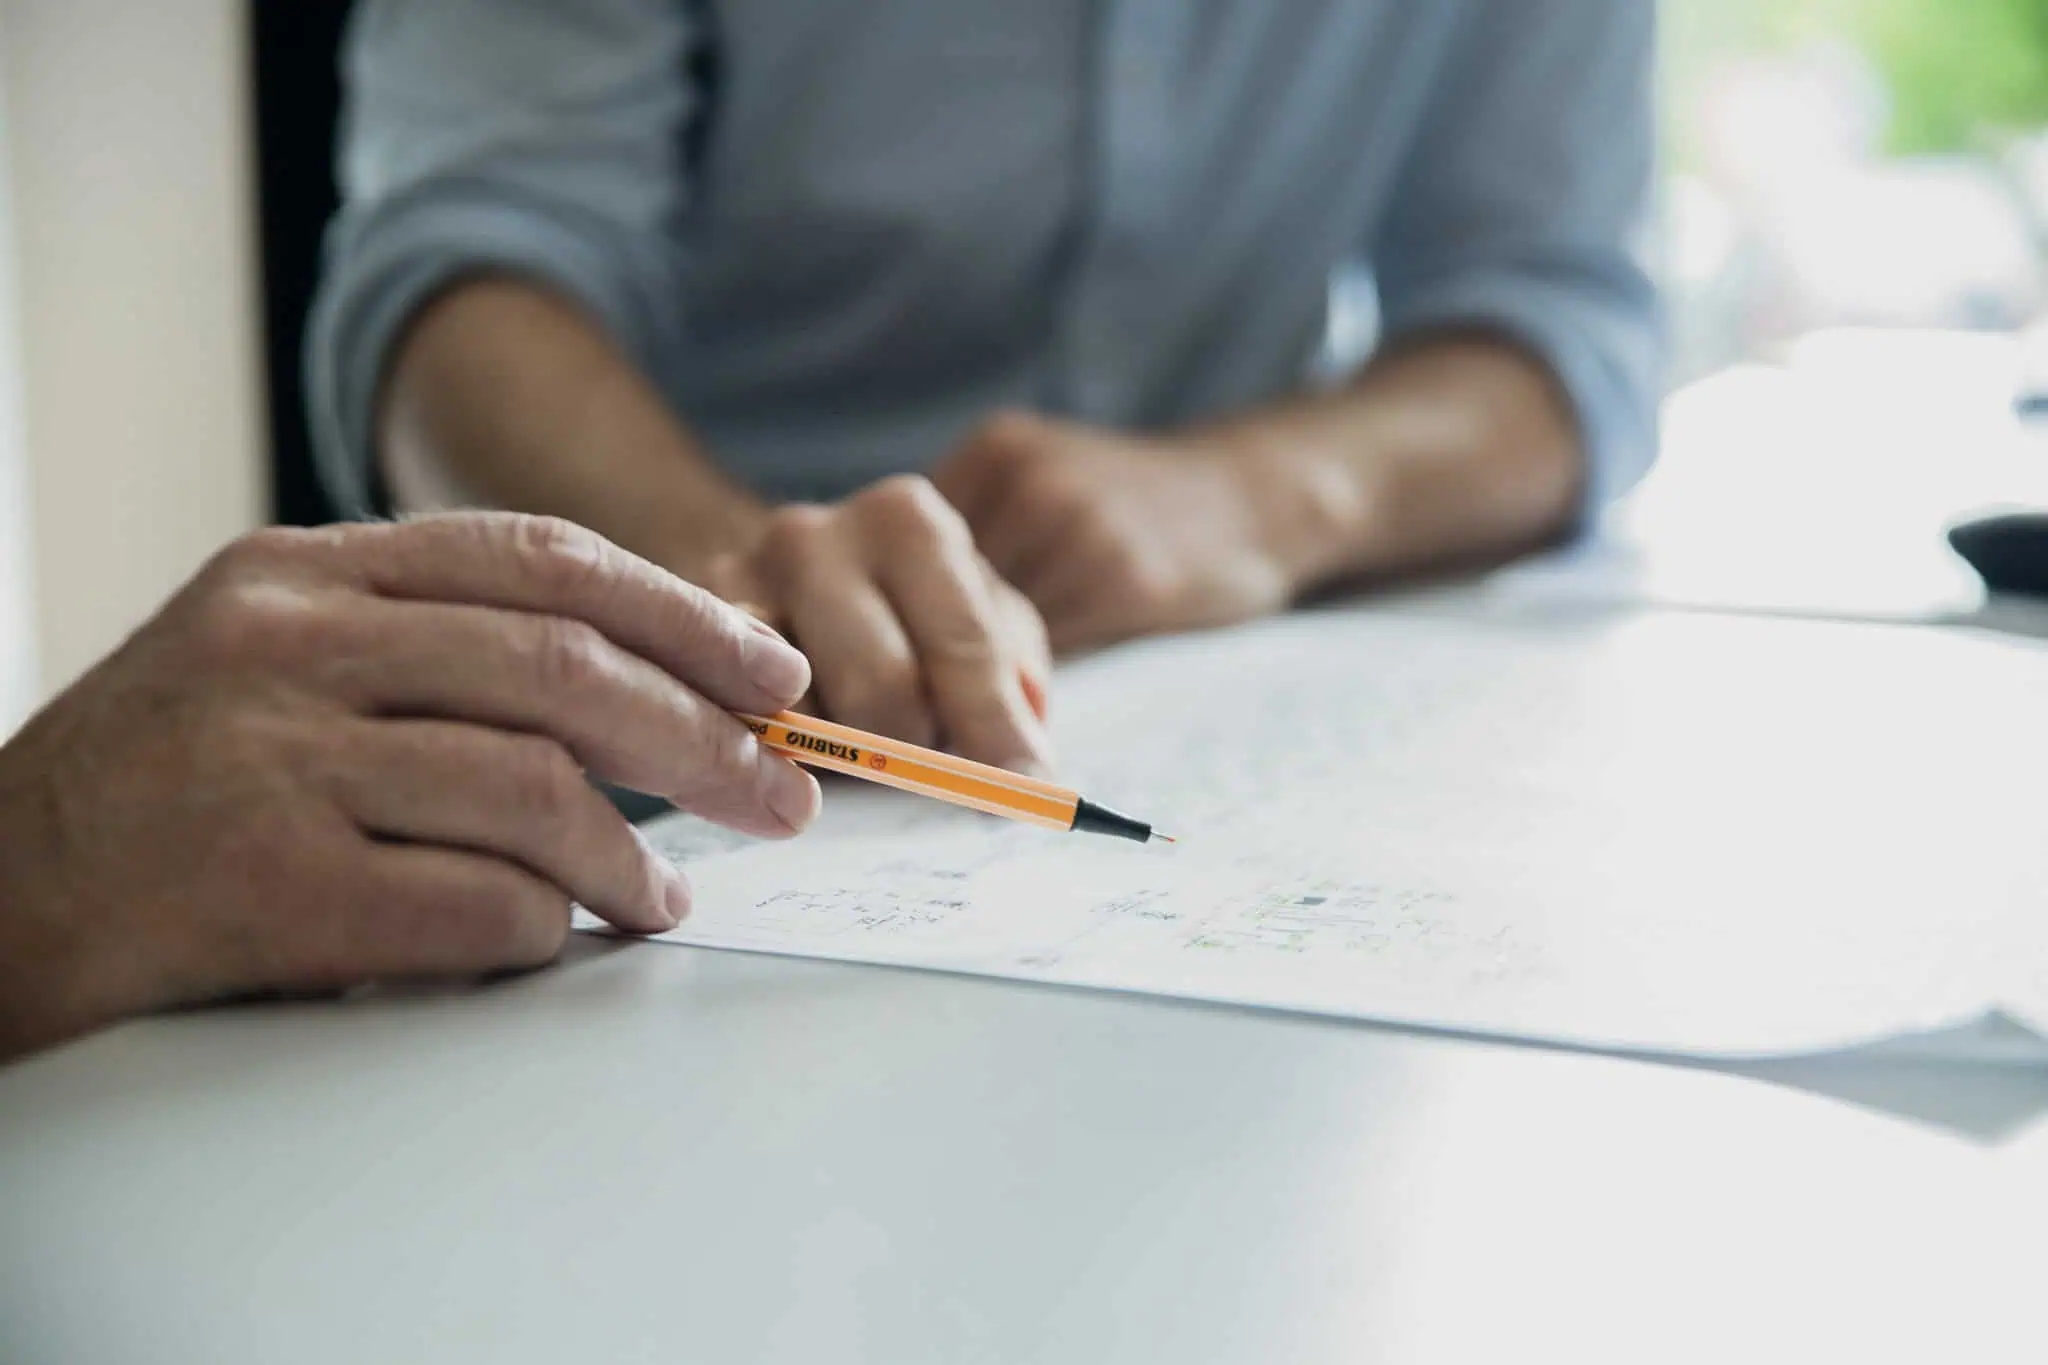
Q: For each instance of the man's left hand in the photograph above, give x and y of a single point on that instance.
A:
(1115, 536)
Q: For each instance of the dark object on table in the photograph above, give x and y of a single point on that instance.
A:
(637, 807)
(2009, 551)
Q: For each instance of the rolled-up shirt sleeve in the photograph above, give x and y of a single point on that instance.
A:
(1525, 207)
(522, 137)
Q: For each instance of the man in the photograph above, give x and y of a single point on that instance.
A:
(360, 753)
(713, 279)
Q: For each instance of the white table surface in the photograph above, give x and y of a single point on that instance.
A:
(654, 1153)
(659, 1154)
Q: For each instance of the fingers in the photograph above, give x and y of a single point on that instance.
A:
(519, 798)
(972, 669)
(555, 568)
(620, 716)
(429, 911)
(971, 661)
(867, 670)
(906, 625)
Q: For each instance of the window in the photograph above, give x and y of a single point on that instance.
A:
(1864, 163)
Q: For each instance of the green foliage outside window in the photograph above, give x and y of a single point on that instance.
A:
(1957, 70)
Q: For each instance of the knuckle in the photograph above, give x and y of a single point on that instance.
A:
(703, 616)
(720, 754)
(716, 765)
(791, 530)
(729, 748)
(224, 624)
(1010, 434)
(567, 656)
(542, 781)
(256, 554)
(905, 495)
(912, 511)
(560, 554)
(251, 622)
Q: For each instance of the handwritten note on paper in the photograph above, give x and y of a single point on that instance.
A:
(1658, 834)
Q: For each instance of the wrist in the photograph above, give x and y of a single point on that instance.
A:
(1310, 512)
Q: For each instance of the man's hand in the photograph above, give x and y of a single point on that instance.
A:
(1115, 536)
(911, 632)
(355, 753)
(1452, 449)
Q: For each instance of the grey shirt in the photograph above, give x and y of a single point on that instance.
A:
(837, 233)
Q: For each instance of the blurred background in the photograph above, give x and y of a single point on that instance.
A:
(1854, 232)
(1854, 242)
(1879, 163)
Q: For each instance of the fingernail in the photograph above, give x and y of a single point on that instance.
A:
(675, 894)
(1034, 694)
(774, 665)
(789, 792)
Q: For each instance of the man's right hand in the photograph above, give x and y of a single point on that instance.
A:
(911, 632)
(356, 753)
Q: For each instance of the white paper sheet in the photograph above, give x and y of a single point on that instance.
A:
(1662, 834)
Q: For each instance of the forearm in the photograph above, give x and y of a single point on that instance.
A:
(1457, 449)
(515, 397)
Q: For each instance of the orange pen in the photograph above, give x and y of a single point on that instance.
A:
(838, 748)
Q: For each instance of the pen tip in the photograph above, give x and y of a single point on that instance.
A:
(1159, 838)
